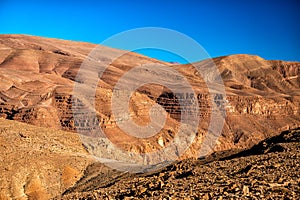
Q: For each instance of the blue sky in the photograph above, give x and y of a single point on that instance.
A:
(269, 29)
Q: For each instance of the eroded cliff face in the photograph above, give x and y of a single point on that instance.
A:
(37, 79)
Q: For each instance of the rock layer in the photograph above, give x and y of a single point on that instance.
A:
(38, 74)
(37, 77)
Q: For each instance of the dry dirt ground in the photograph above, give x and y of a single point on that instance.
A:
(268, 170)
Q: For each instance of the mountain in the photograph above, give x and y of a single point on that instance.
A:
(37, 80)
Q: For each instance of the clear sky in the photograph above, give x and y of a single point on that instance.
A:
(269, 29)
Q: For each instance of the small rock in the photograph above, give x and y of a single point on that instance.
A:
(141, 190)
(206, 196)
(280, 180)
(234, 186)
(161, 183)
(151, 185)
(277, 165)
(246, 190)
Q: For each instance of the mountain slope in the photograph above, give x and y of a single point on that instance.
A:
(38, 163)
(37, 78)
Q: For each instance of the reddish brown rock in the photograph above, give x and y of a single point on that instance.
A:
(37, 77)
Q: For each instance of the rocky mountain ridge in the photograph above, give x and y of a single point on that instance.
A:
(37, 78)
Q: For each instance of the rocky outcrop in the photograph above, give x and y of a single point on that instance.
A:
(265, 171)
(37, 77)
(38, 74)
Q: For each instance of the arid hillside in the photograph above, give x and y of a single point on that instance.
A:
(37, 78)
(37, 81)
(38, 163)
